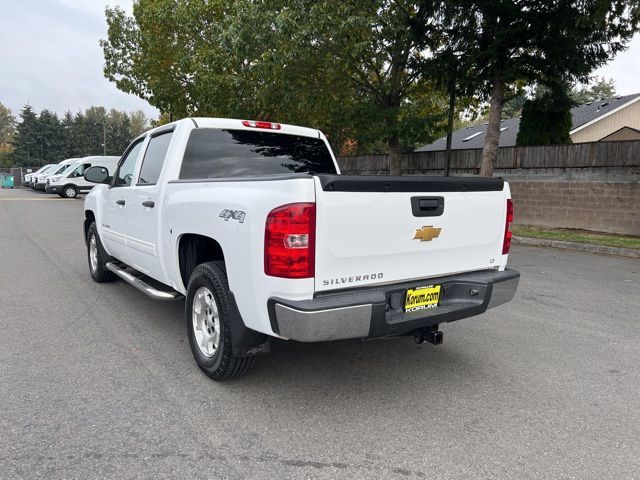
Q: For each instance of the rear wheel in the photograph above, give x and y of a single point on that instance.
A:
(97, 257)
(207, 315)
(70, 191)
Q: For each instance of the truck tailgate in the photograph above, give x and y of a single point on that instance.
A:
(373, 230)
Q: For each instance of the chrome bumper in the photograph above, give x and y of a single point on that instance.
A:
(377, 311)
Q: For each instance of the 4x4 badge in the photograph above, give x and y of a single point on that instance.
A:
(234, 214)
(426, 233)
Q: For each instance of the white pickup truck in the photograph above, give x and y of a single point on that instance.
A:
(253, 224)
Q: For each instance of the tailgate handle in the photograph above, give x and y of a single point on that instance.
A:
(427, 206)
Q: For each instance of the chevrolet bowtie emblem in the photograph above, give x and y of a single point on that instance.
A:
(426, 233)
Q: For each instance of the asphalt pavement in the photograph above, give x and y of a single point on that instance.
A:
(97, 380)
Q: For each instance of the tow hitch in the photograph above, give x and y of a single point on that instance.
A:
(430, 334)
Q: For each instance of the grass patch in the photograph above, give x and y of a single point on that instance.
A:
(579, 236)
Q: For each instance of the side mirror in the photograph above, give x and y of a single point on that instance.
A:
(97, 175)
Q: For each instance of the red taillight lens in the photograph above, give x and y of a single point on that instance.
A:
(506, 244)
(258, 124)
(289, 241)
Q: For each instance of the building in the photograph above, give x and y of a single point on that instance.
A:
(609, 120)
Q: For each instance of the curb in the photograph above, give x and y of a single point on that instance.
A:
(580, 247)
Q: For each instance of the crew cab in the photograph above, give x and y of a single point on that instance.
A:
(252, 224)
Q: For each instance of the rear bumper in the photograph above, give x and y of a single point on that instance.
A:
(378, 311)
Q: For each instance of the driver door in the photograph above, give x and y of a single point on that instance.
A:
(114, 210)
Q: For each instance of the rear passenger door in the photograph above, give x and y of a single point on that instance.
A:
(142, 207)
(114, 208)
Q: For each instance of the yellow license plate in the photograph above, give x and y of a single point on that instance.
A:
(422, 298)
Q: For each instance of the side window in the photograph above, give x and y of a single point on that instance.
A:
(127, 165)
(79, 171)
(154, 158)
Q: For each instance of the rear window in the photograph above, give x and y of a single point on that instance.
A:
(215, 153)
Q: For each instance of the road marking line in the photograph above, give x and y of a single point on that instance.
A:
(33, 199)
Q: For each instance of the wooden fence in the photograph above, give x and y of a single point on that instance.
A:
(579, 155)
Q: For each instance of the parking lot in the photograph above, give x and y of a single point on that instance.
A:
(97, 381)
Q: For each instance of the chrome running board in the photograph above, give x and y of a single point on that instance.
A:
(143, 286)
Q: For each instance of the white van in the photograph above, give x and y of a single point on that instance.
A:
(33, 179)
(71, 181)
(56, 169)
(27, 178)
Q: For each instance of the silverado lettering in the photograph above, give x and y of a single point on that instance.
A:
(352, 279)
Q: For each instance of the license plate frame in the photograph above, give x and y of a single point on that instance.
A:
(424, 297)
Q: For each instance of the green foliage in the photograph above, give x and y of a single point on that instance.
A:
(343, 67)
(26, 139)
(579, 236)
(599, 90)
(546, 119)
(540, 42)
(44, 138)
(504, 42)
(513, 106)
(7, 125)
(371, 74)
(7, 133)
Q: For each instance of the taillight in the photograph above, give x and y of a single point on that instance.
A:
(506, 244)
(289, 241)
(258, 124)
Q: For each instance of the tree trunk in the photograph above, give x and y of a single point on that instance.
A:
(492, 136)
(395, 164)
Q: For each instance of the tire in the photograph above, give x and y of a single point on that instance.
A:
(208, 291)
(97, 268)
(70, 191)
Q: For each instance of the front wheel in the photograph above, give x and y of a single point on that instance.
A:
(70, 191)
(97, 257)
(207, 315)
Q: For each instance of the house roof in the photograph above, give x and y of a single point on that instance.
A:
(473, 137)
(620, 130)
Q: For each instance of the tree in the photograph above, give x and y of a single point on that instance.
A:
(343, 67)
(67, 124)
(514, 103)
(599, 90)
(546, 119)
(7, 124)
(371, 44)
(50, 140)
(26, 151)
(7, 133)
(535, 41)
(139, 123)
(119, 133)
(49, 137)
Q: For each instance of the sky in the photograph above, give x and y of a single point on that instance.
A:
(50, 58)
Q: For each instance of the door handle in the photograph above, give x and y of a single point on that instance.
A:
(149, 203)
(120, 202)
(427, 206)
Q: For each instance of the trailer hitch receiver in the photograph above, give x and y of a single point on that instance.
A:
(430, 334)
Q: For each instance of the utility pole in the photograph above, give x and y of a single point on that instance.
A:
(452, 106)
(104, 137)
